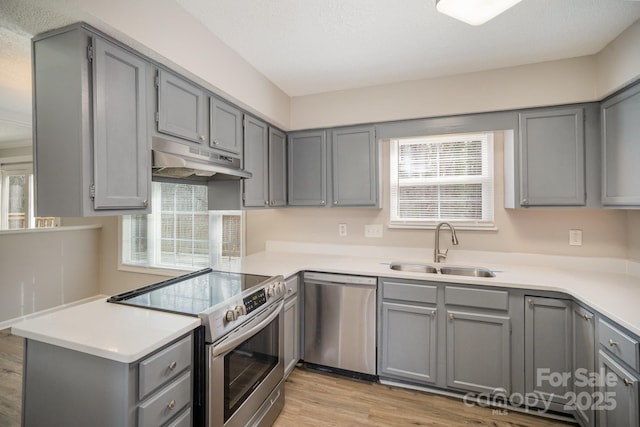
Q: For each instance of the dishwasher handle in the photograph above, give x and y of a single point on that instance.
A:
(341, 279)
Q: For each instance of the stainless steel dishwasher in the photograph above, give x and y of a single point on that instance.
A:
(340, 321)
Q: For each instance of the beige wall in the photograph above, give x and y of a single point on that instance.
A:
(543, 231)
(633, 235)
(619, 62)
(43, 269)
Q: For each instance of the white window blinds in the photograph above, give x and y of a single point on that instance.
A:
(442, 178)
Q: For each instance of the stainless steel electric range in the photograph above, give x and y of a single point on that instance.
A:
(239, 357)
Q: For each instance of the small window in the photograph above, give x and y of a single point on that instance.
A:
(181, 233)
(442, 178)
(16, 198)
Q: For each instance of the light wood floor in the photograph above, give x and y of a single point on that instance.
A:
(313, 399)
(10, 379)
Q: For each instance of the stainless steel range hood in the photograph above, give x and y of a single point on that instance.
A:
(179, 161)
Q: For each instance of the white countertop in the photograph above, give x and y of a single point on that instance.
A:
(609, 286)
(113, 331)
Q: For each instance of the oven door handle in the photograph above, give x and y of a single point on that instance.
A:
(242, 335)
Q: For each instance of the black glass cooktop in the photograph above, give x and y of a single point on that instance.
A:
(191, 293)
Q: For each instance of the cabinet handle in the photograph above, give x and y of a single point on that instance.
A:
(433, 313)
(266, 202)
(322, 202)
(451, 316)
(146, 203)
(335, 202)
(289, 290)
(215, 142)
(530, 301)
(525, 202)
(201, 137)
(171, 405)
(172, 365)
(587, 317)
(612, 343)
(627, 381)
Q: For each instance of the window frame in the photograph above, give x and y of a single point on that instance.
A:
(488, 191)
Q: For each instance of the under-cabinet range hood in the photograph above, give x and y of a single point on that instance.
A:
(179, 161)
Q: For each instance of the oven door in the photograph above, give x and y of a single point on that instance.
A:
(245, 368)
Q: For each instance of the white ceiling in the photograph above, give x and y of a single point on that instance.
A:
(314, 46)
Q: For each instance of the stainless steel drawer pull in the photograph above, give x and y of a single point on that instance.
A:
(171, 405)
(587, 317)
(612, 343)
(172, 365)
(627, 381)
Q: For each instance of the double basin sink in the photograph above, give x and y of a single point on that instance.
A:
(454, 271)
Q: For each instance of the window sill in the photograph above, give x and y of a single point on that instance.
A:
(466, 227)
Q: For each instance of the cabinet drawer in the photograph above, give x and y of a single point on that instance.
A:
(183, 420)
(620, 344)
(164, 365)
(410, 292)
(292, 286)
(482, 298)
(166, 404)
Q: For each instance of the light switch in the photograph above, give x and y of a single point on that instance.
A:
(575, 237)
(342, 230)
(373, 230)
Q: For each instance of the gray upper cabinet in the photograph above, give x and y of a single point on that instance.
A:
(182, 108)
(354, 166)
(255, 189)
(225, 126)
(307, 168)
(548, 348)
(552, 157)
(91, 149)
(277, 168)
(620, 149)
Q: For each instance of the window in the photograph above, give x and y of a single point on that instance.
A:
(442, 178)
(181, 233)
(16, 198)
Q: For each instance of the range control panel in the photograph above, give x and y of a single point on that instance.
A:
(255, 300)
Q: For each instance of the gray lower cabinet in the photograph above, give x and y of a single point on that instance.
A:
(620, 149)
(478, 352)
(225, 125)
(292, 321)
(182, 108)
(409, 345)
(307, 168)
(478, 339)
(619, 361)
(552, 157)
(548, 348)
(584, 364)
(67, 387)
(91, 151)
(354, 165)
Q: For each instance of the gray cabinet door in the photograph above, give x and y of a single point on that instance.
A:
(552, 158)
(355, 166)
(584, 362)
(622, 392)
(256, 188)
(121, 153)
(548, 347)
(182, 108)
(409, 337)
(225, 127)
(291, 334)
(478, 352)
(620, 149)
(307, 169)
(277, 168)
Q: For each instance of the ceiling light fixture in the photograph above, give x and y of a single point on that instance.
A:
(474, 12)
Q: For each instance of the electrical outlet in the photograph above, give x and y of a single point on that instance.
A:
(373, 230)
(575, 237)
(342, 230)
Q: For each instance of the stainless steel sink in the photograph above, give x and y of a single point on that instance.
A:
(467, 271)
(414, 268)
(452, 271)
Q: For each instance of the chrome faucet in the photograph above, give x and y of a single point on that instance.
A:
(437, 255)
